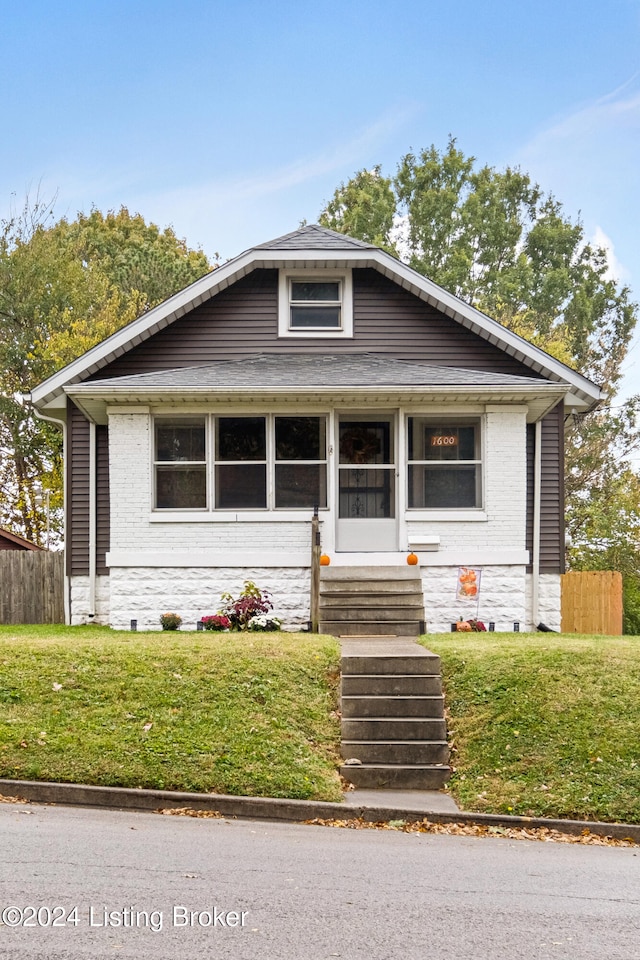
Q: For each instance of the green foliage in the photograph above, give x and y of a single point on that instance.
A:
(542, 724)
(170, 621)
(65, 286)
(246, 715)
(497, 241)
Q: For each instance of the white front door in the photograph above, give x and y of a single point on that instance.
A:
(367, 509)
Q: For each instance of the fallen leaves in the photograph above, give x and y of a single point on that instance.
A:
(190, 812)
(4, 799)
(544, 834)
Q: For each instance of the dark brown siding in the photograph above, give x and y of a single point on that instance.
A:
(102, 483)
(551, 493)
(78, 494)
(243, 320)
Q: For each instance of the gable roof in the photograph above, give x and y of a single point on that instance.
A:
(311, 247)
(18, 543)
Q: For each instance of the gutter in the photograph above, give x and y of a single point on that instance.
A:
(92, 520)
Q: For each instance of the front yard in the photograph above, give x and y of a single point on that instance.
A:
(236, 713)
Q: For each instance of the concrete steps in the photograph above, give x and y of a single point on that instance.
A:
(393, 727)
(371, 601)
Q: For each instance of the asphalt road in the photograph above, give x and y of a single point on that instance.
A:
(167, 888)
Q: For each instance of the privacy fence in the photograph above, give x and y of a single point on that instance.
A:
(31, 587)
(592, 602)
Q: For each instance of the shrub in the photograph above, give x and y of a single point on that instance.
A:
(216, 621)
(170, 621)
(251, 602)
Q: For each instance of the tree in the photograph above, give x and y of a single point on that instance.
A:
(497, 241)
(65, 286)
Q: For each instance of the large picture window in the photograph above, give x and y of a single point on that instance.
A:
(256, 463)
(444, 464)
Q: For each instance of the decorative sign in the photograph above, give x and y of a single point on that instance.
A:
(468, 586)
(444, 440)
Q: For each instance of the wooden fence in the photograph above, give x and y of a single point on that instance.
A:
(31, 586)
(592, 602)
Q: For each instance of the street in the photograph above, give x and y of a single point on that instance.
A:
(77, 883)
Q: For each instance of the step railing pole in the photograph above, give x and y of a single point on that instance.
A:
(315, 571)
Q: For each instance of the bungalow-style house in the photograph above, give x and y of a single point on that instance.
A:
(314, 370)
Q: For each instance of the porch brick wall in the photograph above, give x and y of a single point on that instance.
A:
(143, 593)
(502, 598)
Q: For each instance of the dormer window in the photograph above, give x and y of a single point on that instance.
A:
(317, 304)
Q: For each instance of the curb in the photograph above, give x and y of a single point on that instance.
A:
(293, 811)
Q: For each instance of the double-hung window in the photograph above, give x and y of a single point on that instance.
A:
(255, 462)
(180, 463)
(318, 304)
(444, 463)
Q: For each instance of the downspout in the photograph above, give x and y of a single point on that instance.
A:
(92, 520)
(537, 496)
(63, 424)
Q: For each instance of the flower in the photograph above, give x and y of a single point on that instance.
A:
(216, 621)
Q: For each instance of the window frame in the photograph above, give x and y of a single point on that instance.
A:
(452, 422)
(342, 277)
(212, 462)
(178, 464)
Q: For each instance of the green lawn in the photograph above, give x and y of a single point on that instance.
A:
(540, 724)
(543, 724)
(231, 713)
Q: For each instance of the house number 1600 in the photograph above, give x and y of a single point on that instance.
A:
(444, 441)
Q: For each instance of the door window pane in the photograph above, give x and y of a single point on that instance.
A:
(366, 494)
(365, 442)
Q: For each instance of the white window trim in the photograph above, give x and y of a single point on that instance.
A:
(449, 513)
(345, 331)
(213, 513)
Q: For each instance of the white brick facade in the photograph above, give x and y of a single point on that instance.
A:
(184, 563)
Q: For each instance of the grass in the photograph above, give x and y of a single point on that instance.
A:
(249, 714)
(543, 724)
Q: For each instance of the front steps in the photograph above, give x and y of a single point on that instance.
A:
(393, 726)
(371, 601)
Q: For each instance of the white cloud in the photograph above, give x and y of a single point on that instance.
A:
(615, 270)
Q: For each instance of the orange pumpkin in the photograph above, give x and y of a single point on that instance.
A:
(324, 560)
(412, 559)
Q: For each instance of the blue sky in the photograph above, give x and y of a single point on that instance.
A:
(234, 121)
